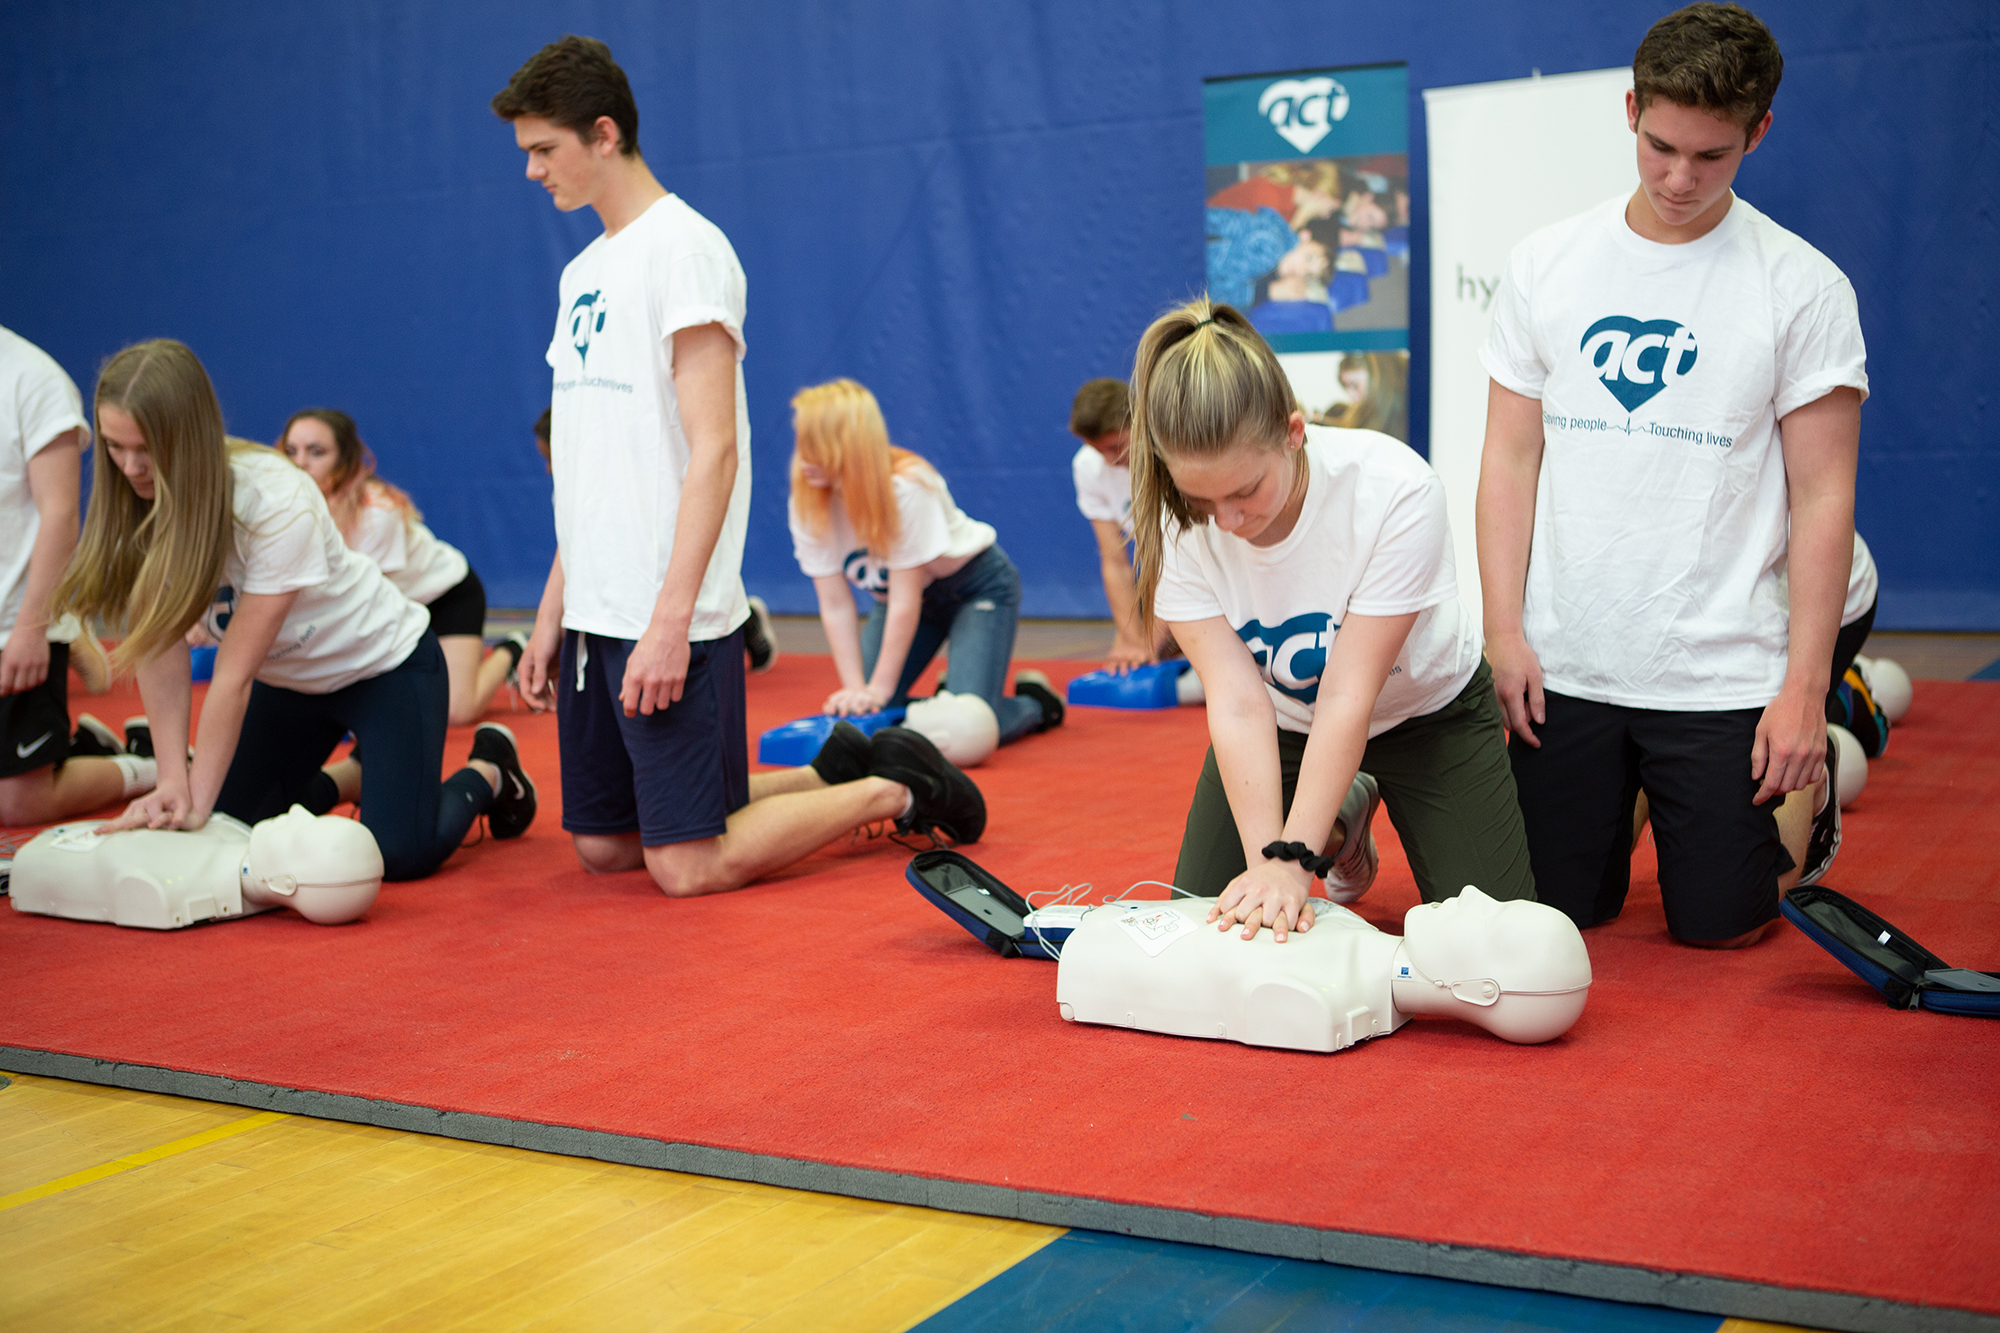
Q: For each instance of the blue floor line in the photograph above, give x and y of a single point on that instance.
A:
(1091, 1280)
(1991, 671)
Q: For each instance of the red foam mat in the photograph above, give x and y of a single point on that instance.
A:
(1758, 1116)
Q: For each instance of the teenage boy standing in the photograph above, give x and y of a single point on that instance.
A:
(1672, 425)
(644, 609)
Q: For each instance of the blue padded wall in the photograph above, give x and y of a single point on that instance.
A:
(971, 208)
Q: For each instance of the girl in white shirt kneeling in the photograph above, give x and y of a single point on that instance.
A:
(867, 513)
(380, 521)
(1307, 572)
(186, 525)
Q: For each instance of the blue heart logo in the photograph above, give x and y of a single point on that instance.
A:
(1636, 360)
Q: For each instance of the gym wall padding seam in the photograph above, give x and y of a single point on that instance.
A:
(1639, 1286)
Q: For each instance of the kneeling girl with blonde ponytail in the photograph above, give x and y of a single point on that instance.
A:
(1307, 572)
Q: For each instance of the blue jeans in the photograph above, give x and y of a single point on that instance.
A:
(976, 609)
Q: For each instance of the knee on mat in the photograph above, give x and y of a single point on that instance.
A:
(606, 856)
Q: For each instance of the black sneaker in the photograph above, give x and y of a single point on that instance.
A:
(1034, 685)
(139, 737)
(513, 807)
(845, 755)
(94, 738)
(1824, 841)
(759, 638)
(515, 645)
(947, 801)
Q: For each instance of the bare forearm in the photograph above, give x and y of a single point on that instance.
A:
(1820, 560)
(221, 727)
(1246, 753)
(166, 691)
(1122, 596)
(551, 608)
(1506, 523)
(1332, 758)
(55, 543)
(697, 524)
(843, 637)
(899, 630)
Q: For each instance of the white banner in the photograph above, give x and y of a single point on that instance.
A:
(1506, 159)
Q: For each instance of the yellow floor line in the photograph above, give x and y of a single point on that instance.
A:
(143, 1157)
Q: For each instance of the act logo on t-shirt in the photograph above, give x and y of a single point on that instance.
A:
(864, 574)
(586, 317)
(1636, 360)
(1291, 656)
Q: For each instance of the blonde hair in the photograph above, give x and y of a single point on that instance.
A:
(1203, 381)
(839, 429)
(152, 565)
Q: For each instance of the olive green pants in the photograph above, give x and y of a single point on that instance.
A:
(1448, 786)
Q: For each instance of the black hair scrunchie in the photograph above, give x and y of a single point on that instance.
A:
(1314, 864)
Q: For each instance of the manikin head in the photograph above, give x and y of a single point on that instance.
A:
(1517, 969)
(328, 870)
(962, 726)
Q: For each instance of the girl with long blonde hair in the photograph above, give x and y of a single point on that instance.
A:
(878, 517)
(1307, 573)
(186, 525)
(378, 519)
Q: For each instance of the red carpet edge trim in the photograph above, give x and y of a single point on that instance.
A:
(1611, 1282)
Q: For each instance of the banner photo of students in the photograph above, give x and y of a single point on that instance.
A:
(1506, 159)
(1308, 229)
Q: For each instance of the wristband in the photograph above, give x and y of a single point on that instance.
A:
(1313, 864)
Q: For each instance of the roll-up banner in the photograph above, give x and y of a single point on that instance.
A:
(1309, 230)
(1506, 159)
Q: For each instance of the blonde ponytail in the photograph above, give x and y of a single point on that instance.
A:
(1202, 381)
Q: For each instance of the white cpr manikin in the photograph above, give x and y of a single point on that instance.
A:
(962, 726)
(1517, 969)
(327, 870)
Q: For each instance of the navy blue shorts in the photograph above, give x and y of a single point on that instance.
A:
(673, 777)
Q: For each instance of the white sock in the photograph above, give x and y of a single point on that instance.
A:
(909, 804)
(140, 774)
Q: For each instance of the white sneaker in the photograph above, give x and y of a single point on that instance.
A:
(1354, 865)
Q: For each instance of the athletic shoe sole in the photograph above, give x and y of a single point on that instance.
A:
(845, 756)
(1355, 865)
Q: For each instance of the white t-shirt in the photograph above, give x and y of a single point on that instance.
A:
(1103, 490)
(1372, 539)
(38, 402)
(617, 446)
(421, 566)
(1661, 512)
(348, 622)
(932, 526)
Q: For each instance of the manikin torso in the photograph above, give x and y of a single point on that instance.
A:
(327, 869)
(1518, 969)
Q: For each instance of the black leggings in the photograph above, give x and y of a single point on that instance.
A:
(400, 717)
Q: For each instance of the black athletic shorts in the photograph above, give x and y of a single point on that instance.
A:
(461, 608)
(672, 776)
(34, 724)
(1720, 856)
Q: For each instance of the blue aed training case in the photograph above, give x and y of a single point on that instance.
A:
(991, 912)
(1152, 686)
(796, 742)
(1908, 975)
